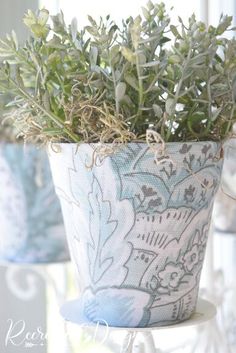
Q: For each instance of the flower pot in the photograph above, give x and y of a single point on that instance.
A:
(32, 229)
(225, 205)
(137, 229)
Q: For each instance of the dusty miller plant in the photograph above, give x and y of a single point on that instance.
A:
(111, 83)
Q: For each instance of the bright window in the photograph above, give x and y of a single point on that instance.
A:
(117, 9)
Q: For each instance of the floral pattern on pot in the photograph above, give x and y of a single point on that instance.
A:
(32, 229)
(138, 229)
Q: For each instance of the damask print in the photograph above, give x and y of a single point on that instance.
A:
(101, 228)
(191, 258)
(171, 276)
(143, 228)
(117, 306)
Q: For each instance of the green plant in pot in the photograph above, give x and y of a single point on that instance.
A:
(135, 116)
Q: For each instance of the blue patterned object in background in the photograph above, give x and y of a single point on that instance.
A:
(32, 228)
(137, 229)
(225, 205)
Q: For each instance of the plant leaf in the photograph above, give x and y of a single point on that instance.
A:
(43, 17)
(175, 31)
(157, 110)
(216, 113)
(92, 21)
(132, 81)
(128, 54)
(151, 64)
(120, 91)
(74, 29)
(224, 24)
(29, 18)
(93, 56)
(170, 108)
(59, 23)
(146, 13)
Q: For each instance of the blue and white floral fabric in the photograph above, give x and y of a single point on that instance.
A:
(32, 229)
(138, 229)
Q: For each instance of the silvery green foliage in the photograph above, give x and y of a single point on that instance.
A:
(178, 80)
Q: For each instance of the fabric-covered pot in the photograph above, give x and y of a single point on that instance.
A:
(225, 205)
(32, 229)
(138, 229)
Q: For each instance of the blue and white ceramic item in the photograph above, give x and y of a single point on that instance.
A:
(225, 205)
(138, 229)
(32, 229)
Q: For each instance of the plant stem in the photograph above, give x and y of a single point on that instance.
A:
(18, 54)
(230, 122)
(209, 120)
(140, 91)
(140, 83)
(177, 92)
(114, 83)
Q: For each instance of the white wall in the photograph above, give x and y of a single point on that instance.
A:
(11, 13)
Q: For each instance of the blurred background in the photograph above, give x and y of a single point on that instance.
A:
(30, 295)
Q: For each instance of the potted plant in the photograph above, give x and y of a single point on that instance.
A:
(135, 116)
(32, 228)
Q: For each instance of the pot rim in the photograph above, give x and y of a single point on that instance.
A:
(133, 142)
(26, 146)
